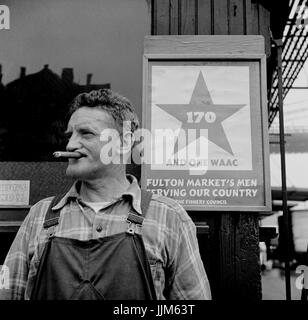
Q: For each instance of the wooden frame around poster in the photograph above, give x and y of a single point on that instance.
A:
(183, 57)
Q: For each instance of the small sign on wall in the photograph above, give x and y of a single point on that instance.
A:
(14, 192)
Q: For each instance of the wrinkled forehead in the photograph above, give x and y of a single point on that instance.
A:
(93, 117)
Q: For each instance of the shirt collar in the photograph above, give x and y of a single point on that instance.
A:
(133, 193)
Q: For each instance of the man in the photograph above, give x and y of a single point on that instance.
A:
(102, 240)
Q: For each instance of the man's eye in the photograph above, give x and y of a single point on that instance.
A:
(86, 132)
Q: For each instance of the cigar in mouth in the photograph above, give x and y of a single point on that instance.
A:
(64, 154)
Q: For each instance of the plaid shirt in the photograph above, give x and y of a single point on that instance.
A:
(168, 233)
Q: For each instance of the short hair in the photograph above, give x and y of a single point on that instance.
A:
(117, 106)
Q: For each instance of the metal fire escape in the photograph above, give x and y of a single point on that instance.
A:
(294, 53)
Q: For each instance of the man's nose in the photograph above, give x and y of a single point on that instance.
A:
(73, 143)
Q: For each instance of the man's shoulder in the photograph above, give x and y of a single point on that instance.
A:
(170, 207)
(40, 207)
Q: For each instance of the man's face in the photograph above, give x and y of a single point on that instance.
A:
(83, 130)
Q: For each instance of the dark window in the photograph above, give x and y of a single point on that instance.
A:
(55, 50)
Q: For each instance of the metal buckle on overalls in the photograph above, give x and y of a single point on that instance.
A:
(131, 227)
(51, 232)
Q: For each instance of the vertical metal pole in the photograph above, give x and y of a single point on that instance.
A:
(286, 218)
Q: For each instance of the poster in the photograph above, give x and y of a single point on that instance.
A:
(205, 119)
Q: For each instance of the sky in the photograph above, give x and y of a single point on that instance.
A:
(296, 118)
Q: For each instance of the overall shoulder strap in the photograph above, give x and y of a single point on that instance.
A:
(145, 202)
(52, 217)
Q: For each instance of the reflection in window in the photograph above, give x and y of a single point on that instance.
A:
(55, 50)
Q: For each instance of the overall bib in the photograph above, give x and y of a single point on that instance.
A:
(109, 268)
